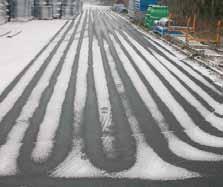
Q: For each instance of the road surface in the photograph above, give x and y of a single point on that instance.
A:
(103, 104)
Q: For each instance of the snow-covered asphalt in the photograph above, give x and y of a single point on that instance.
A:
(103, 103)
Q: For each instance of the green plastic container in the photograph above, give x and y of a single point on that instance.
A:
(158, 11)
(155, 12)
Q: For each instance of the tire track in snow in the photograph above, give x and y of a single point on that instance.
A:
(174, 106)
(194, 74)
(48, 127)
(19, 76)
(168, 156)
(76, 164)
(218, 156)
(122, 133)
(92, 129)
(146, 157)
(184, 66)
(76, 98)
(210, 89)
(207, 127)
(195, 89)
(10, 150)
(205, 115)
(123, 136)
(160, 146)
(204, 122)
(103, 103)
(11, 107)
(25, 162)
(175, 127)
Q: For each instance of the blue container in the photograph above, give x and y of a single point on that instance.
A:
(142, 5)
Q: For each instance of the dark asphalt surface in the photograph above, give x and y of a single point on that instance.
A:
(107, 105)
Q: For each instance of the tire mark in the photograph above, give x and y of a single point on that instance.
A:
(184, 63)
(154, 136)
(135, 34)
(61, 145)
(92, 128)
(213, 123)
(124, 134)
(9, 119)
(200, 121)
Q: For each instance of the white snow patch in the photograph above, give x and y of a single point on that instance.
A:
(205, 72)
(189, 152)
(17, 52)
(10, 100)
(8, 159)
(77, 165)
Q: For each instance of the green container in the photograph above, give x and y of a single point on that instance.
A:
(158, 11)
(155, 12)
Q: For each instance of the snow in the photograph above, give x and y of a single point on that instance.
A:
(151, 105)
(189, 70)
(11, 98)
(76, 164)
(48, 127)
(178, 52)
(206, 72)
(148, 164)
(9, 153)
(177, 110)
(189, 152)
(35, 35)
(189, 82)
(16, 134)
(163, 66)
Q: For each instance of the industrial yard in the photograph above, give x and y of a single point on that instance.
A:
(90, 97)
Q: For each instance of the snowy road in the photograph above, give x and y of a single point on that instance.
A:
(104, 103)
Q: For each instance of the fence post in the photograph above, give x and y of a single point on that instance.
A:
(218, 34)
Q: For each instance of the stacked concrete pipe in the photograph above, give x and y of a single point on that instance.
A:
(3, 11)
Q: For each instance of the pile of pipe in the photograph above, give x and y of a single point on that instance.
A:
(21, 10)
(70, 8)
(3, 11)
(43, 9)
(57, 6)
(24, 10)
